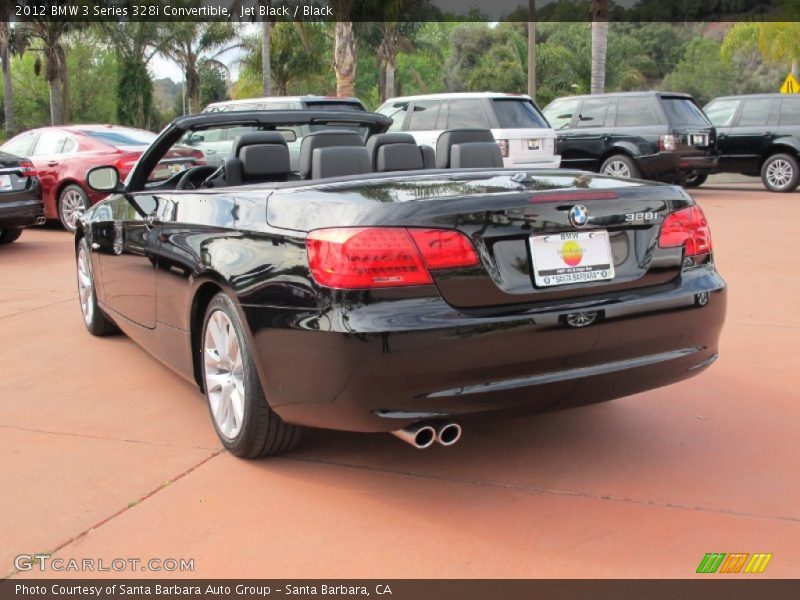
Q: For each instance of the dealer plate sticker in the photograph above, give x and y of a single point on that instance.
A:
(573, 257)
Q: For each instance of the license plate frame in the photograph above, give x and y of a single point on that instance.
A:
(571, 257)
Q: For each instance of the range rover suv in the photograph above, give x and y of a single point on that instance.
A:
(525, 137)
(654, 135)
(758, 135)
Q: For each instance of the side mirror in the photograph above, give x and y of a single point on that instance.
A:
(103, 179)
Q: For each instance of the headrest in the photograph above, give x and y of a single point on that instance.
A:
(338, 161)
(264, 159)
(324, 139)
(458, 136)
(475, 154)
(377, 144)
(398, 157)
(256, 137)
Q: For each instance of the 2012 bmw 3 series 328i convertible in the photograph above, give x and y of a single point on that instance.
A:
(328, 274)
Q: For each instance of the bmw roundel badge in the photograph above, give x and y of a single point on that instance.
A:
(578, 215)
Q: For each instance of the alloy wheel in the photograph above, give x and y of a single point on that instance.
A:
(617, 168)
(779, 173)
(73, 205)
(224, 374)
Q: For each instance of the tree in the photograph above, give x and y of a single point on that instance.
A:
(701, 72)
(298, 52)
(51, 36)
(5, 58)
(599, 13)
(266, 57)
(135, 42)
(344, 51)
(191, 43)
(776, 42)
(532, 48)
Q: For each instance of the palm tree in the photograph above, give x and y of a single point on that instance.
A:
(777, 42)
(192, 43)
(532, 48)
(5, 57)
(344, 52)
(599, 12)
(51, 35)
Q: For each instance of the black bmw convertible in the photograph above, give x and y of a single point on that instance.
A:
(330, 274)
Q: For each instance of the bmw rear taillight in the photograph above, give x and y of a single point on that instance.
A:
(687, 227)
(27, 169)
(667, 143)
(379, 257)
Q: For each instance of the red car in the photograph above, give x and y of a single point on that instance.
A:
(63, 155)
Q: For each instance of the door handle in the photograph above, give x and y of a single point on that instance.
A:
(52, 163)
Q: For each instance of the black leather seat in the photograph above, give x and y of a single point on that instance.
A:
(333, 153)
(467, 148)
(257, 157)
(398, 152)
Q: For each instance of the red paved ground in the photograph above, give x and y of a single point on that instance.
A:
(640, 487)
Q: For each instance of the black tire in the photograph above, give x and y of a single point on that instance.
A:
(614, 163)
(695, 180)
(780, 173)
(261, 431)
(96, 321)
(71, 196)
(10, 234)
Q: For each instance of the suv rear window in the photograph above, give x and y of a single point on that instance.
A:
(682, 111)
(518, 113)
(790, 111)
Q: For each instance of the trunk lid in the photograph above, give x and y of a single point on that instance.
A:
(501, 212)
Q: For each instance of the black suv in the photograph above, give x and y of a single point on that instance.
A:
(657, 135)
(759, 134)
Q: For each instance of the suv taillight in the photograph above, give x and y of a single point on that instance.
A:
(667, 143)
(378, 257)
(687, 227)
(503, 148)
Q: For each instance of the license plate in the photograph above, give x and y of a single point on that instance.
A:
(176, 168)
(534, 144)
(5, 183)
(573, 257)
(700, 140)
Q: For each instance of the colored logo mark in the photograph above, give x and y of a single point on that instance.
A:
(578, 215)
(571, 253)
(741, 562)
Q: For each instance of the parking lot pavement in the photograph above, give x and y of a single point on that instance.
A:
(107, 454)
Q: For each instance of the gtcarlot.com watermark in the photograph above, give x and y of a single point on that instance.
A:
(46, 563)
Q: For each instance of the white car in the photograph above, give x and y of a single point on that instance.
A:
(286, 103)
(521, 130)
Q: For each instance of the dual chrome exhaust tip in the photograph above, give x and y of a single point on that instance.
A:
(424, 435)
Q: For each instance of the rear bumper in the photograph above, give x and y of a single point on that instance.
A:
(551, 162)
(665, 163)
(21, 212)
(380, 367)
